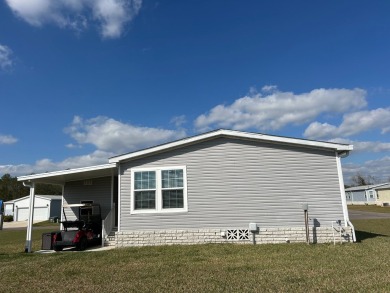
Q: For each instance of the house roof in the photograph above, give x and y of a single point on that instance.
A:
(51, 197)
(237, 135)
(385, 186)
(365, 187)
(60, 177)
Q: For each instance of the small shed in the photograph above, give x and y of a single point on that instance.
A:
(45, 206)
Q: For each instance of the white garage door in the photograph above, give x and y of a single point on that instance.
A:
(40, 214)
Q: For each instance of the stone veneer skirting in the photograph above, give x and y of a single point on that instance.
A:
(243, 236)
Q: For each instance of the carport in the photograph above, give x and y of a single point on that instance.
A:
(85, 176)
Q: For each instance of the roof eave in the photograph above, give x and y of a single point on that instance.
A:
(46, 177)
(232, 133)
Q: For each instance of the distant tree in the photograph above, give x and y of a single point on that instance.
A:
(48, 189)
(11, 188)
(359, 179)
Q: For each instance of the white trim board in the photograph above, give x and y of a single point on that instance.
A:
(67, 172)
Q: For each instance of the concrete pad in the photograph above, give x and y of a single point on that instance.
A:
(16, 225)
(72, 249)
(13, 225)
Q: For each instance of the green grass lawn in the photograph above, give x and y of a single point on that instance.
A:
(46, 224)
(369, 208)
(358, 267)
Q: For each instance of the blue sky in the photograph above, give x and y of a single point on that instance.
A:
(83, 80)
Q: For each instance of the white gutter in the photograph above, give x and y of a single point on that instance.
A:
(28, 246)
(342, 190)
(353, 231)
(347, 222)
(119, 197)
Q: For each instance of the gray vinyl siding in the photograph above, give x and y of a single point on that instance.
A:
(99, 192)
(233, 182)
(359, 195)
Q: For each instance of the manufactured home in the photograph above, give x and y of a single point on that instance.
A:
(211, 188)
(383, 194)
(363, 195)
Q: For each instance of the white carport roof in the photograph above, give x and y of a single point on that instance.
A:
(60, 177)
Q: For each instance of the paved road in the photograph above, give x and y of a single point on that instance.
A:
(358, 215)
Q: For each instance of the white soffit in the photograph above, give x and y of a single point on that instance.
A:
(62, 176)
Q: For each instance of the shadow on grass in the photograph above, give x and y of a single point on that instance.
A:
(363, 235)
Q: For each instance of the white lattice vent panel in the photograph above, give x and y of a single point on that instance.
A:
(237, 234)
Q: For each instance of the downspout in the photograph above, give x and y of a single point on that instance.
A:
(28, 245)
(347, 222)
(119, 197)
(62, 207)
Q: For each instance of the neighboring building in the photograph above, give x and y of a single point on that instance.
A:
(383, 195)
(364, 194)
(208, 188)
(45, 206)
(9, 208)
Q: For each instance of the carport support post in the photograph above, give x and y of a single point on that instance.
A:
(28, 246)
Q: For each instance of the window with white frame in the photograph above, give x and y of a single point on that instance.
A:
(144, 190)
(349, 195)
(159, 190)
(371, 193)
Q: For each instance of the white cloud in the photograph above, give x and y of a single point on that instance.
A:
(365, 146)
(269, 88)
(47, 165)
(379, 169)
(108, 134)
(273, 109)
(7, 139)
(113, 14)
(5, 57)
(110, 15)
(73, 146)
(178, 121)
(353, 123)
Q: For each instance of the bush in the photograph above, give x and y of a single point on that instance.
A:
(8, 218)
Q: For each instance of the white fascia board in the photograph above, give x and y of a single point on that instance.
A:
(378, 185)
(66, 172)
(21, 198)
(289, 140)
(385, 186)
(234, 134)
(163, 147)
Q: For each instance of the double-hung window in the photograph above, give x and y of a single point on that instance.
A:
(159, 190)
(145, 190)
